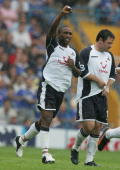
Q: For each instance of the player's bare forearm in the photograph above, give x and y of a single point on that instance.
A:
(53, 28)
(94, 78)
(66, 10)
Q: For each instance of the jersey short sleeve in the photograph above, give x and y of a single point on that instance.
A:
(83, 61)
(112, 72)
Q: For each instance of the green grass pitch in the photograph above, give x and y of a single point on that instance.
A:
(32, 160)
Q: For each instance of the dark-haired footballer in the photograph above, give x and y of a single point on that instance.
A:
(92, 99)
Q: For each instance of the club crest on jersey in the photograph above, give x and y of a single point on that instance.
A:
(82, 67)
(103, 67)
(63, 60)
(73, 54)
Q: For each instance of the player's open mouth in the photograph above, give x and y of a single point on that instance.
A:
(67, 39)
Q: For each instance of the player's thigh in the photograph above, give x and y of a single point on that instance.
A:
(97, 128)
(46, 118)
(89, 126)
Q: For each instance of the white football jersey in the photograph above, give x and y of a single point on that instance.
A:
(98, 63)
(56, 73)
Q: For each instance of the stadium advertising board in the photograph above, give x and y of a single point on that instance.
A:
(59, 138)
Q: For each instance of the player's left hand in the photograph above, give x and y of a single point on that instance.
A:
(70, 63)
(105, 91)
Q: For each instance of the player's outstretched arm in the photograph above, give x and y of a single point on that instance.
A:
(66, 10)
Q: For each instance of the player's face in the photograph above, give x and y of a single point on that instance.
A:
(65, 36)
(107, 44)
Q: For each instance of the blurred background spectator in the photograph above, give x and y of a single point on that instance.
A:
(21, 37)
(8, 15)
(8, 115)
(105, 11)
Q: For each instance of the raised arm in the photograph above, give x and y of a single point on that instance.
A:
(66, 10)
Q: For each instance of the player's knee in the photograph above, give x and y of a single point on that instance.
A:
(89, 127)
(97, 128)
(46, 121)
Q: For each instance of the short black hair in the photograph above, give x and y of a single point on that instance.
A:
(104, 34)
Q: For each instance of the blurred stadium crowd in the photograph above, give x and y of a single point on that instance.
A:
(23, 28)
(106, 11)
